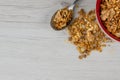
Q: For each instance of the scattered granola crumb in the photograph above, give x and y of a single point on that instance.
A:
(86, 35)
(76, 6)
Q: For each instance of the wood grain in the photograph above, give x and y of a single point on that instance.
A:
(31, 50)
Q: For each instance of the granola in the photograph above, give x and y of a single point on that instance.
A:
(110, 16)
(62, 18)
(86, 35)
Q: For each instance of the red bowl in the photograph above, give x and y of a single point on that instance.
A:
(104, 29)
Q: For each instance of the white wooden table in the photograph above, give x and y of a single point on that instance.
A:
(31, 50)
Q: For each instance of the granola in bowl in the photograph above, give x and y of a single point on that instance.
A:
(108, 16)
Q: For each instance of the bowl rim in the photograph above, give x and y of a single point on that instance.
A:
(97, 10)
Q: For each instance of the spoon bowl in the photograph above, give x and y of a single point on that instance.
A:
(53, 26)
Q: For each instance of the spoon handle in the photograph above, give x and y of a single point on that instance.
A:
(72, 6)
(75, 1)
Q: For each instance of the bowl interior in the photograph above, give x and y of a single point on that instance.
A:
(101, 24)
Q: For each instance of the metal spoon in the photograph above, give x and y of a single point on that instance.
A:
(71, 7)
